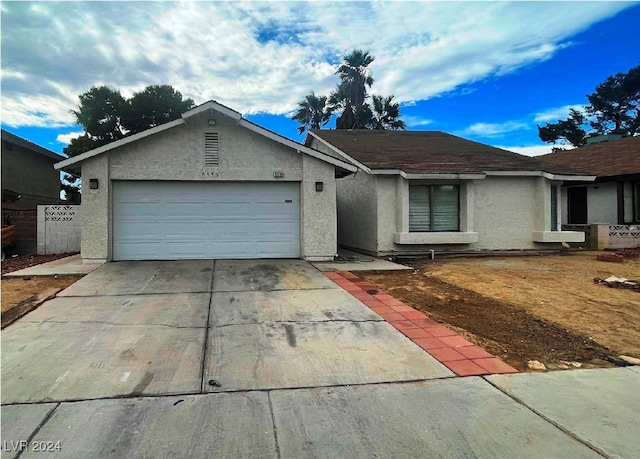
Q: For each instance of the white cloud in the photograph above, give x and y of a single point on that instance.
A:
(66, 138)
(554, 114)
(262, 57)
(416, 121)
(495, 129)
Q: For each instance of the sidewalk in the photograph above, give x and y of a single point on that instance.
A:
(62, 267)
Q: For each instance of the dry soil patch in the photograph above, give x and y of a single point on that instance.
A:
(22, 295)
(543, 308)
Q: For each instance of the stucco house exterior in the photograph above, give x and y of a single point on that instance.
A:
(418, 191)
(614, 197)
(208, 185)
(28, 176)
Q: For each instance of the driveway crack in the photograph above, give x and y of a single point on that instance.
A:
(273, 421)
(206, 333)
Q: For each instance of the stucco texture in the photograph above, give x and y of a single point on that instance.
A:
(177, 154)
(496, 213)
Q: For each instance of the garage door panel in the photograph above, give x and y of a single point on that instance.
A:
(174, 220)
(137, 250)
(272, 249)
(278, 211)
(267, 231)
(237, 210)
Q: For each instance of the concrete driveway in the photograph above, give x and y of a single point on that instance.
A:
(253, 359)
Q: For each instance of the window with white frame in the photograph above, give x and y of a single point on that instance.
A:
(434, 208)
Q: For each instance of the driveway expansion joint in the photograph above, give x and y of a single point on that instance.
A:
(446, 346)
(549, 420)
(328, 321)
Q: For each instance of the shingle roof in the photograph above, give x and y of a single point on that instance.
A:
(606, 159)
(425, 152)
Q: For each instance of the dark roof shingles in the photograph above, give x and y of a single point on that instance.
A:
(424, 152)
(605, 159)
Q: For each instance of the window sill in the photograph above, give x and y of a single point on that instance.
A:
(449, 237)
(558, 236)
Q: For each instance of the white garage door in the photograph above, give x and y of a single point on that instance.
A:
(186, 220)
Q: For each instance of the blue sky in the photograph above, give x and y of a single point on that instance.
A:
(487, 71)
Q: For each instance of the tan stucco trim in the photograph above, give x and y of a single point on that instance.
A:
(558, 236)
(449, 237)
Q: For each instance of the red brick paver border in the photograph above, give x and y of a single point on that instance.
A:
(452, 350)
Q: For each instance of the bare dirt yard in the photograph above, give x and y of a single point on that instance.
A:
(21, 295)
(544, 308)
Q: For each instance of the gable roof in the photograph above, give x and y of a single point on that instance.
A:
(27, 145)
(605, 159)
(431, 153)
(214, 107)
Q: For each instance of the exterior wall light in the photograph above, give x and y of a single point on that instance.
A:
(93, 183)
(212, 122)
(319, 186)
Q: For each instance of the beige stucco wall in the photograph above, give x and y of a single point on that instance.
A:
(319, 212)
(357, 212)
(506, 211)
(178, 155)
(95, 239)
(602, 203)
(496, 213)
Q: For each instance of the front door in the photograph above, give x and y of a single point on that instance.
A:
(577, 197)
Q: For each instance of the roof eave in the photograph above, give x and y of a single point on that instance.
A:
(63, 165)
(296, 146)
(340, 152)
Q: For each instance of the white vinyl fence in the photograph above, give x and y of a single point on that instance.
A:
(58, 229)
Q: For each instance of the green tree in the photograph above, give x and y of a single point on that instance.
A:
(106, 116)
(351, 94)
(350, 99)
(99, 113)
(614, 108)
(572, 130)
(153, 106)
(313, 112)
(386, 113)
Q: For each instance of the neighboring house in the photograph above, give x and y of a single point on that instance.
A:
(28, 180)
(28, 176)
(422, 191)
(208, 185)
(614, 197)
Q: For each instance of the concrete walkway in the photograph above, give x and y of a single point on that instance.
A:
(61, 267)
(354, 261)
(273, 359)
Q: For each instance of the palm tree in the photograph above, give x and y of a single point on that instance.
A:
(351, 94)
(313, 112)
(386, 114)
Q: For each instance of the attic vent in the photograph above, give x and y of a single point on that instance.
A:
(211, 149)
